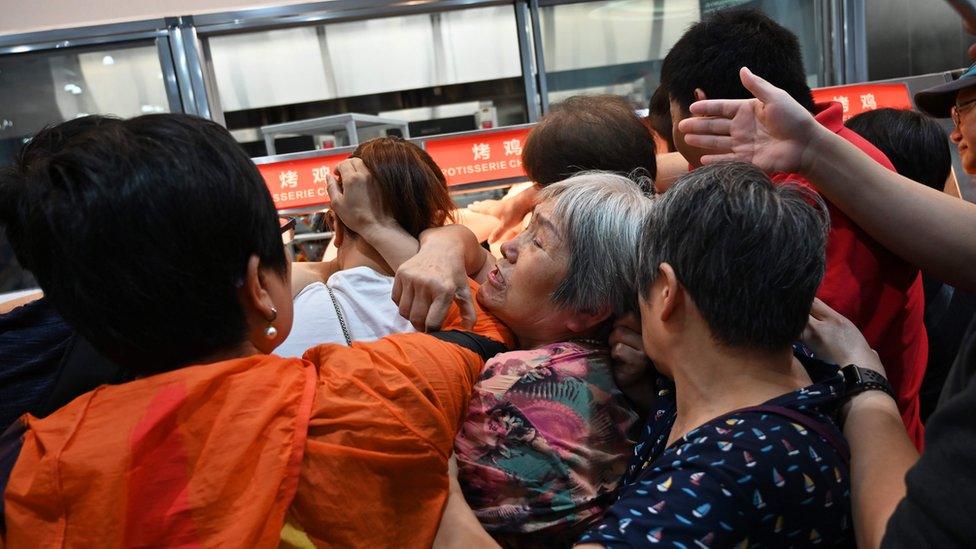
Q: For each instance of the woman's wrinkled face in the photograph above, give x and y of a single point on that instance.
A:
(519, 289)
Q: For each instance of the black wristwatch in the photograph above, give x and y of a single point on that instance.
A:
(857, 380)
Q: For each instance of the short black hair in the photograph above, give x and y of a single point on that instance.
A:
(915, 143)
(140, 232)
(749, 253)
(585, 133)
(711, 52)
(659, 115)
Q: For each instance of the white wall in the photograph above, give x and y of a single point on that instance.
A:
(17, 16)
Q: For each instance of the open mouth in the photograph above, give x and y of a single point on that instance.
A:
(495, 278)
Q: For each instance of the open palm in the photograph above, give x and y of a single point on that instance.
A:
(772, 131)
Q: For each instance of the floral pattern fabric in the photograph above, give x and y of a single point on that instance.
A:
(545, 442)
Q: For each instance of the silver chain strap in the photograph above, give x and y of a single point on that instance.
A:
(342, 319)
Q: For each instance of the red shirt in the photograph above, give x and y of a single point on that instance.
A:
(878, 291)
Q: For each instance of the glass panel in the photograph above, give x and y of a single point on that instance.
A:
(39, 89)
(616, 46)
(441, 72)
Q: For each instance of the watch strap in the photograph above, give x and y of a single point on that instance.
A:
(857, 380)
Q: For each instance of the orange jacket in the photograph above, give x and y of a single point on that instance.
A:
(350, 446)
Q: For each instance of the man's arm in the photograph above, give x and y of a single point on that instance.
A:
(881, 452)
(923, 226)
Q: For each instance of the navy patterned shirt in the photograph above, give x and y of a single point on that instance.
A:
(748, 478)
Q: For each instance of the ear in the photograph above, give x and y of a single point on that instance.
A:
(669, 291)
(700, 95)
(255, 299)
(338, 229)
(583, 321)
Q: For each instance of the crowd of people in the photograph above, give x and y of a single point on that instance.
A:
(723, 325)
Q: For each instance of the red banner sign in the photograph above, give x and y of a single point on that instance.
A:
(860, 98)
(300, 183)
(476, 158)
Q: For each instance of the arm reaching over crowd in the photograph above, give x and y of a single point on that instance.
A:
(881, 452)
(925, 227)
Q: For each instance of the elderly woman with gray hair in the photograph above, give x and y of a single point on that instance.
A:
(548, 432)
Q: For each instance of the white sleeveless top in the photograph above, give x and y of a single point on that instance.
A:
(364, 298)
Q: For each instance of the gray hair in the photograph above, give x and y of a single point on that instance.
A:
(600, 215)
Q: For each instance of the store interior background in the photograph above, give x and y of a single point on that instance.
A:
(439, 65)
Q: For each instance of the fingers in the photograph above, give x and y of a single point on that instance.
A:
(820, 310)
(724, 108)
(757, 86)
(705, 126)
(626, 336)
(435, 316)
(716, 142)
(418, 311)
(629, 320)
(397, 291)
(714, 158)
(332, 186)
(469, 315)
(406, 301)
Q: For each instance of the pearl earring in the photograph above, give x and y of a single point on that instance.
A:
(271, 332)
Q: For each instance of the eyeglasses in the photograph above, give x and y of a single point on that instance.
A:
(958, 110)
(287, 229)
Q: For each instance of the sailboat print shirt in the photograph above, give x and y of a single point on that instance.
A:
(749, 478)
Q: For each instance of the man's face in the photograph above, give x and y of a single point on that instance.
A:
(964, 133)
(692, 154)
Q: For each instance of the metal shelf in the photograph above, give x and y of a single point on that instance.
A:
(351, 123)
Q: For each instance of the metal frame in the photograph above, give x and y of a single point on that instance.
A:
(319, 12)
(171, 50)
(188, 72)
(527, 49)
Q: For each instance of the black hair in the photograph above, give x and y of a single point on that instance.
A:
(711, 52)
(750, 254)
(659, 116)
(140, 230)
(589, 132)
(915, 143)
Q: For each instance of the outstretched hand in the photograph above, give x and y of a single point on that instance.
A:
(772, 131)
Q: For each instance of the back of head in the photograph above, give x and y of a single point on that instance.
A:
(411, 184)
(600, 215)
(710, 53)
(748, 252)
(659, 115)
(588, 132)
(915, 143)
(140, 232)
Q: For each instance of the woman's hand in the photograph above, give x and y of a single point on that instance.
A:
(633, 372)
(773, 131)
(355, 199)
(835, 339)
(511, 212)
